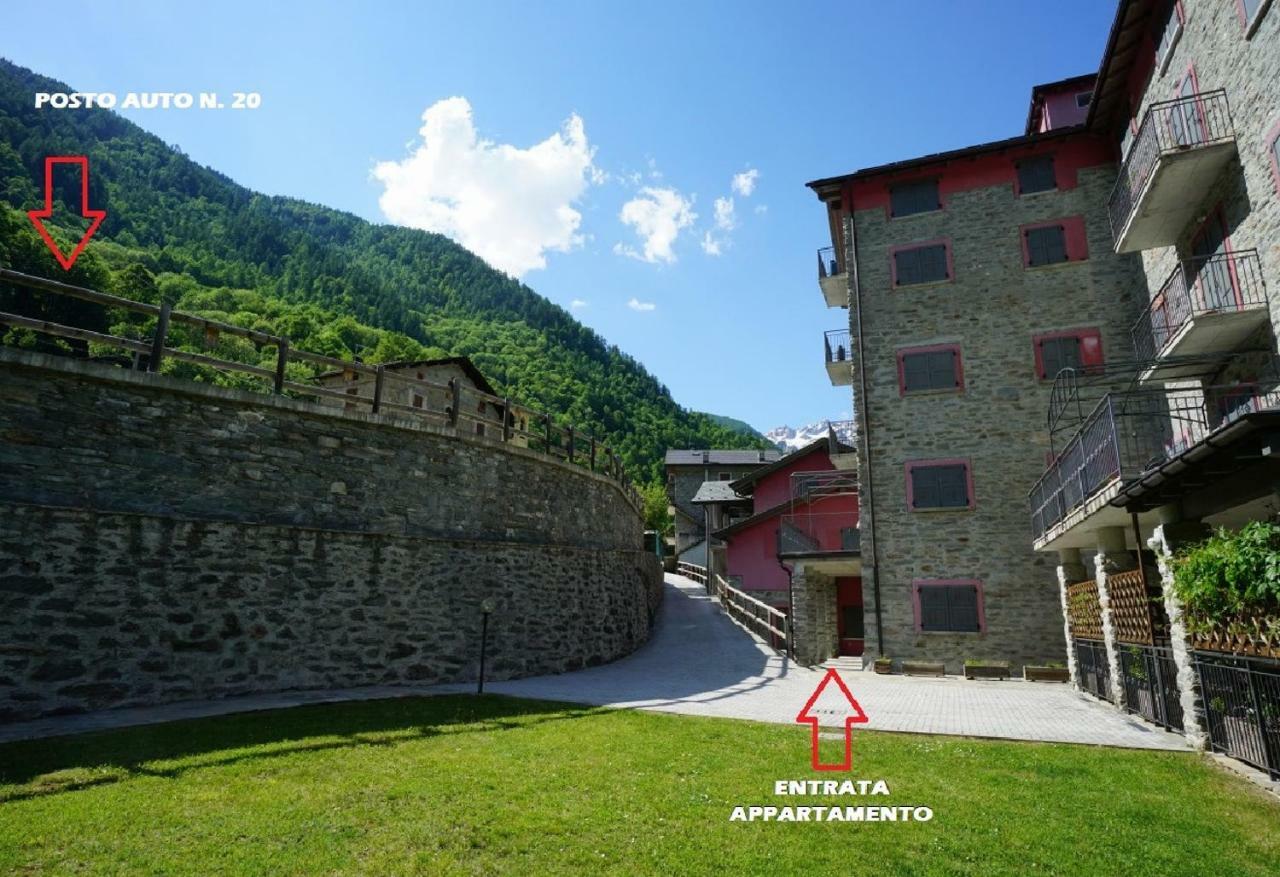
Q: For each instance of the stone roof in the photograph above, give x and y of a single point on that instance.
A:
(676, 457)
(716, 491)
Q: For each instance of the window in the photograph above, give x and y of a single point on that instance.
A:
(921, 263)
(939, 484)
(921, 196)
(1250, 13)
(1084, 98)
(1036, 175)
(417, 401)
(929, 368)
(1273, 150)
(725, 476)
(1170, 28)
(1079, 349)
(949, 606)
(1046, 245)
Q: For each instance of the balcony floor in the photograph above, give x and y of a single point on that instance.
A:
(1209, 332)
(1173, 195)
(835, 290)
(841, 373)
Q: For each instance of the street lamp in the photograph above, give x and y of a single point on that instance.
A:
(486, 607)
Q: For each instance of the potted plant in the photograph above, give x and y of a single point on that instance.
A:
(883, 665)
(924, 668)
(1054, 671)
(978, 669)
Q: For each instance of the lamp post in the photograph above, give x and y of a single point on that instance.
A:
(486, 607)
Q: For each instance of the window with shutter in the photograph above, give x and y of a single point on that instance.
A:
(950, 608)
(1036, 175)
(1046, 245)
(939, 486)
(926, 264)
(906, 199)
(930, 370)
(1080, 349)
(1167, 33)
(1059, 353)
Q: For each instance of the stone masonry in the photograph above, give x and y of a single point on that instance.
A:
(163, 540)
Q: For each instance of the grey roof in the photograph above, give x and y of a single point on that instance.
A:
(713, 457)
(716, 491)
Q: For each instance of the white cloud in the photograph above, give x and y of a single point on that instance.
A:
(578, 304)
(657, 215)
(710, 245)
(508, 205)
(761, 209)
(726, 218)
(643, 306)
(745, 183)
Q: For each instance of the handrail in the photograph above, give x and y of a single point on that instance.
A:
(836, 344)
(692, 571)
(749, 610)
(828, 264)
(510, 421)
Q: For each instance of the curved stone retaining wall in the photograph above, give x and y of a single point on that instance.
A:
(162, 540)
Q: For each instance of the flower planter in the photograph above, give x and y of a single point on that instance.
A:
(1046, 674)
(924, 668)
(987, 671)
(884, 668)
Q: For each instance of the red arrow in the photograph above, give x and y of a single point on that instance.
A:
(37, 215)
(853, 715)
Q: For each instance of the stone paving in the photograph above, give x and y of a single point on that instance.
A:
(701, 663)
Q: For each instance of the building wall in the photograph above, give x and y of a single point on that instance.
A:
(991, 309)
(753, 552)
(1213, 42)
(163, 540)
(775, 488)
(1061, 109)
(682, 483)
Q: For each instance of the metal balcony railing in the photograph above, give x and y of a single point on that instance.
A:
(1204, 285)
(828, 264)
(1132, 432)
(816, 485)
(1168, 126)
(819, 533)
(836, 345)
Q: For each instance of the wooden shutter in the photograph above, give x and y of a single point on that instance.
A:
(934, 609)
(918, 197)
(953, 486)
(962, 608)
(924, 487)
(1036, 175)
(915, 371)
(1047, 245)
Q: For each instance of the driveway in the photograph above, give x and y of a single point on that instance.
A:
(701, 663)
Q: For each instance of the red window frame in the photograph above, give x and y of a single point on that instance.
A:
(931, 348)
(1268, 143)
(942, 583)
(1074, 238)
(919, 245)
(912, 465)
(1090, 348)
(1245, 23)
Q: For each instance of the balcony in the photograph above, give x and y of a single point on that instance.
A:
(832, 279)
(813, 486)
(1208, 305)
(829, 543)
(844, 432)
(1124, 440)
(839, 363)
(1181, 147)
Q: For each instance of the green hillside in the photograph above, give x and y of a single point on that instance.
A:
(331, 282)
(736, 425)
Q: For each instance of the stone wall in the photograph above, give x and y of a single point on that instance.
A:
(162, 540)
(992, 308)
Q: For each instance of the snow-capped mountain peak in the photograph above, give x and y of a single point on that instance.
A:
(790, 439)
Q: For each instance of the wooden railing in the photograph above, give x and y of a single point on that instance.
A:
(692, 571)
(354, 385)
(755, 615)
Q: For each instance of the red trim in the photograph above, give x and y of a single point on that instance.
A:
(1090, 348)
(932, 348)
(1077, 242)
(1244, 15)
(917, 245)
(1269, 143)
(1218, 212)
(973, 583)
(950, 461)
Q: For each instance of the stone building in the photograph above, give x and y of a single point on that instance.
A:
(424, 385)
(970, 279)
(686, 472)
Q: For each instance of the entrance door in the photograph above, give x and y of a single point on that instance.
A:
(849, 623)
(1214, 284)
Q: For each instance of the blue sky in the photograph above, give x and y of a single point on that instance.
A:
(645, 112)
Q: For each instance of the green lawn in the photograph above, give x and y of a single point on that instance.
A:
(498, 786)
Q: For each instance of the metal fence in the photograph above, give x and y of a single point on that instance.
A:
(348, 386)
(1241, 700)
(819, 533)
(1209, 284)
(1150, 681)
(1092, 667)
(1129, 433)
(1168, 126)
(836, 345)
(828, 265)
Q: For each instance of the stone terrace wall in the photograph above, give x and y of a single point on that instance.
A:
(162, 540)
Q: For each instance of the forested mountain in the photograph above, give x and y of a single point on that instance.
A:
(331, 282)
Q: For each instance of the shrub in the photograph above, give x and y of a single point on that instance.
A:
(1231, 575)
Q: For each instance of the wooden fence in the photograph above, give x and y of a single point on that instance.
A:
(692, 571)
(1084, 611)
(755, 615)
(363, 386)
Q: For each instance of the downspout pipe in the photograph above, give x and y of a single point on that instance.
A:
(864, 410)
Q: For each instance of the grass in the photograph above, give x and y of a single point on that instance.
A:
(496, 786)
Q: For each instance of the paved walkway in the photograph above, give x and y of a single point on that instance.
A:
(700, 663)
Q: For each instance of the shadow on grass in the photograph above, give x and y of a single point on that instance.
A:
(34, 768)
